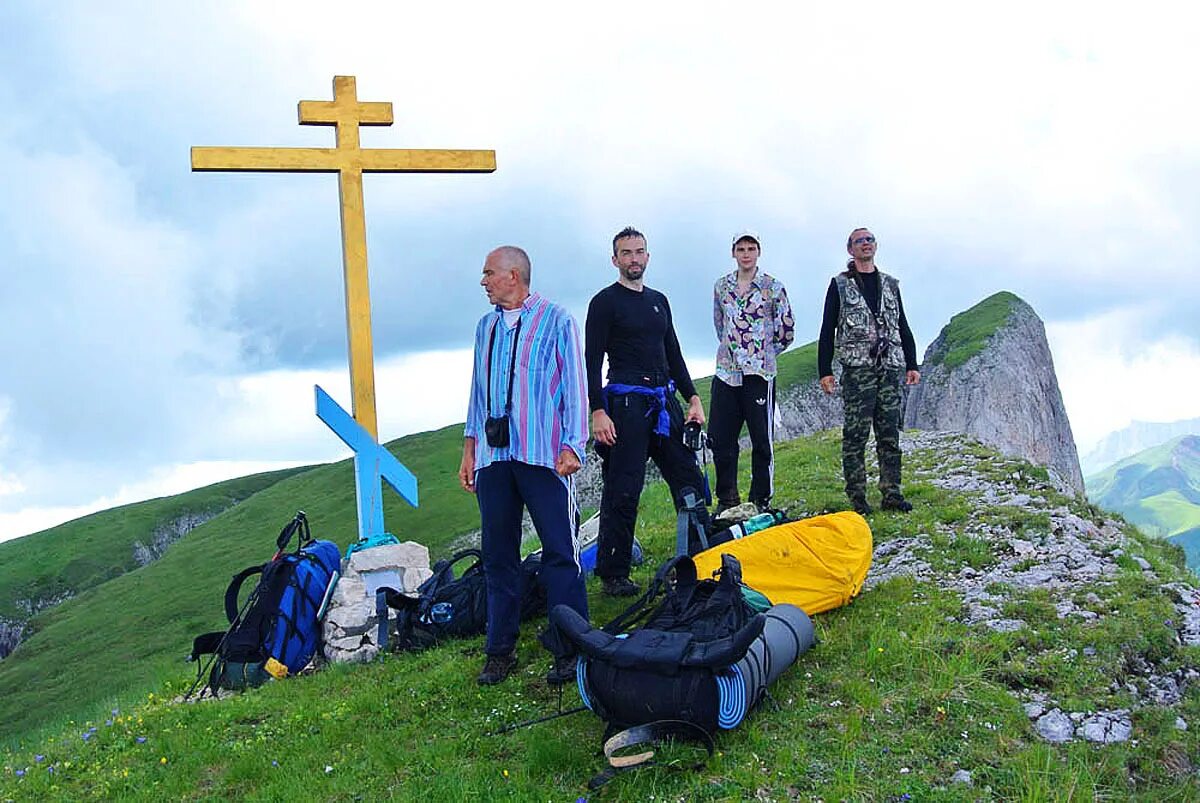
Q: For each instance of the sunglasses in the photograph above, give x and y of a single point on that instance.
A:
(863, 240)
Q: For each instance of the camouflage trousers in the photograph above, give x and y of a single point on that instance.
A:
(872, 398)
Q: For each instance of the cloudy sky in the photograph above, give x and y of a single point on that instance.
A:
(161, 329)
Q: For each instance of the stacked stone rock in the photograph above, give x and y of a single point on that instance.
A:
(351, 624)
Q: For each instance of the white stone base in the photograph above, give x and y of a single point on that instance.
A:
(351, 626)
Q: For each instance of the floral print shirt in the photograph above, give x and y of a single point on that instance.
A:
(752, 329)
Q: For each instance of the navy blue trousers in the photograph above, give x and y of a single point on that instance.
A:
(504, 489)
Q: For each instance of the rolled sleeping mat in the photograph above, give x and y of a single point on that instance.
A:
(733, 691)
(788, 633)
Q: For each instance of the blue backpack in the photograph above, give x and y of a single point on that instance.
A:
(277, 631)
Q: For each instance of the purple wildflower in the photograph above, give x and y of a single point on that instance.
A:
(274, 763)
(86, 735)
(39, 758)
(140, 740)
(108, 723)
(50, 769)
(20, 773)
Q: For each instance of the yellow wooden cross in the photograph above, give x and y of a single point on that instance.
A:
(349, 161)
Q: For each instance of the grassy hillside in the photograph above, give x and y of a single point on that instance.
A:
(161, 606)
(897, 696)
(127, 634)
(968, 331)
(84, 553)
(1158, 489)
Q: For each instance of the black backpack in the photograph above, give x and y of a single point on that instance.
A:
(446, 606)
(661, 662)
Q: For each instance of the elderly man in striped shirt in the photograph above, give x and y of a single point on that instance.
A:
(526, 430)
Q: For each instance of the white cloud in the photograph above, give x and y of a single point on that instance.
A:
(152, 318)
(1110, 374)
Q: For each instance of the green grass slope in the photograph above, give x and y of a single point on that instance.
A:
(1157, 489)
(125, 635)
(968, 332)
(88, 551)
(160, 607)
(897, 695)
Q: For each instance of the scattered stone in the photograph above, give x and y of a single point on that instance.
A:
(1107, 727)
(1005, 625)
(1055, 727)
(1142, 563)
(1180, 724)
(963, 777)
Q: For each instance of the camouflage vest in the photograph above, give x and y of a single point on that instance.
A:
(857, 327)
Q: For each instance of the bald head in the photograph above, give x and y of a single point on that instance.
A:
(510, 257)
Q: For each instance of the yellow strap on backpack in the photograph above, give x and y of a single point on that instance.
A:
(275, 669)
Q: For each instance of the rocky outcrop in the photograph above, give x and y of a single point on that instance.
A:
(1075, 562)
(805, 409)
(166, 534)
(1005, 394)
(10, 636)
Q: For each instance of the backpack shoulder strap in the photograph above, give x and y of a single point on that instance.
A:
(685, 578)
(235, 588)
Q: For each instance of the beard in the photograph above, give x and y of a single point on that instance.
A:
(633, 272)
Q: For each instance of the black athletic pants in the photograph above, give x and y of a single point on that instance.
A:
(623, 467)
(754, 405)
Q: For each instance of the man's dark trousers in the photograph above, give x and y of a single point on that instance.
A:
(623, 467)
(503, 489)
(872, 399)
(753, 403)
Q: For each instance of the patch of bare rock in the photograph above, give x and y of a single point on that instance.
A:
(1073, 559)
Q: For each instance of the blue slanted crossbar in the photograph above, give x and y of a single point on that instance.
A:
(372, 462)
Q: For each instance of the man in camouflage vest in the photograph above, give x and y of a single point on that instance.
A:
(864, 319)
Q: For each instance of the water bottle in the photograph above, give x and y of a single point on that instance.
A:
(440, 612)
(760, 522)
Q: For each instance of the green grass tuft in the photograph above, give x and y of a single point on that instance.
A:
(969, 331)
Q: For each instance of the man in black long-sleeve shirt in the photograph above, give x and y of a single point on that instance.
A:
(874, 343)
(637, 415)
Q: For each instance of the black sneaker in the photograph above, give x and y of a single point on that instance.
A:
(861, 506)
(497, 668)
(563, 671)
(620, 587)
(897, 503)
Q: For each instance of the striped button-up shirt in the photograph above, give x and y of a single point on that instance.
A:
(549, 394)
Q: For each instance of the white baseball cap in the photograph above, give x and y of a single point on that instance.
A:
(747, 234)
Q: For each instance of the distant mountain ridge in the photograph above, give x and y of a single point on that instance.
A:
(1158, 489)
(1136, 437)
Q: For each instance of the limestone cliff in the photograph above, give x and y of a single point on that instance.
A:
(990, 375)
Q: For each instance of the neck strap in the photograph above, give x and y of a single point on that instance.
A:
(512, 364)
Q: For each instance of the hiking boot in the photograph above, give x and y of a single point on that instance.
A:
(620, 587)
(496, 668)
(861, 506)
(563, 670)
(897, 503)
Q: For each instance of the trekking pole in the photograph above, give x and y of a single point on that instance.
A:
(528, 722)
(200, 672)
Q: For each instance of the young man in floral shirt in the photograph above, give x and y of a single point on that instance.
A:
(754, 324)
